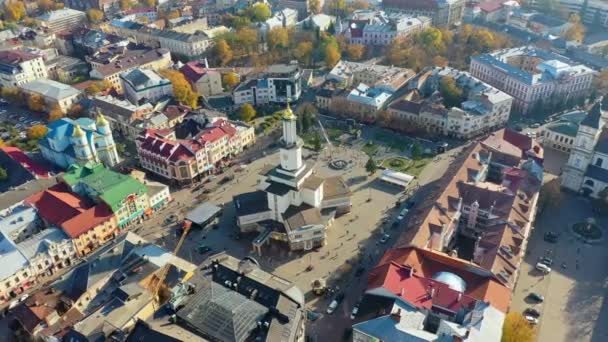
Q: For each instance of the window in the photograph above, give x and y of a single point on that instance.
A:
(589, 182)
(598, 162)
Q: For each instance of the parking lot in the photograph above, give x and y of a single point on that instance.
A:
(574, 308)
(19, 118)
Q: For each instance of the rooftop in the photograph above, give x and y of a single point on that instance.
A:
(60, 14)
(51, 89)
(130, 59)
(140, 79)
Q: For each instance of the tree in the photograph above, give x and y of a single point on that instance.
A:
(316, 143)
(45, 5)
(384, 118)
(150, 3)
(259, 12)
(247, 112)
(440, 61)
(359, 5)
(600, 82)
(315, 6)
(35, 102)
(371, 166)
(121, 148)
(576, 32)
(306, 114)
(247, 39)
(450, 91)
(56, 114)
(12, 95)
(355, 51)
(223, 52)
(15, 10)
(182, 90)
(230, 79)
(303, 52)
(97, 87)
(332, 55)
(3, 174)
(76, 110)
(336, 7)
(517, 329)
(125, 4)
(36, 132)
(95, 16)
(278, 37)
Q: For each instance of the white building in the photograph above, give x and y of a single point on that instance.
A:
(594, 12)
(366, 100)
(586, 171)
(533, 76)
(145, 85)
(292, 197)
(65, 19)
(280, 83)
(390, 78)
(377, 28)
(284, 18)
(55, 94)
(18, 67)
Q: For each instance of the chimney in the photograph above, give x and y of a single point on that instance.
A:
(402, 292)
(206, 63)
(411, 271)
(396, 316)
(432, 292)
(459, 296)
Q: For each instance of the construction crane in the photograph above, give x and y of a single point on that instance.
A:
(156, 287)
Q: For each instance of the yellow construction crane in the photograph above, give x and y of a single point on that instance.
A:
(162, 274)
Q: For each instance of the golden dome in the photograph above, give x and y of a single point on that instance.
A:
(101, 120)
(288, 113)
(78, 132)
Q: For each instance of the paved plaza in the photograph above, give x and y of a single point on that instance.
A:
(574, 307)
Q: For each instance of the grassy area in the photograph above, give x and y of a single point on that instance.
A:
(408, 166)
(370, 148)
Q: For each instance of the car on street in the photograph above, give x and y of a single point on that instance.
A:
(385, 238)
(334, 304)
(546, 260)
(551, 237)
(532, 312)
(202, 249)
(543, 268)
(532, 320)
(355, 311)
(536, 297)
(409, 204)
(402, 214)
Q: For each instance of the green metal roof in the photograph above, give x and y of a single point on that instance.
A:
(565, 128)
(112, 187)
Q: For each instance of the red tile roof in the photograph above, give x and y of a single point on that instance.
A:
(194, 70)
(25, 161)
(491, 6)
(167, 149)
(57, 204)
(211, 135)
(87, 220)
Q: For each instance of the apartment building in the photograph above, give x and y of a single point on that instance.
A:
(387, 77)
(62, 20)
(443, 12)
(533, 76)
(109, 65)
(279, 83)
(593, 12)
(145, 85)
(378, 28)
(207, 82)
(18, 67)
(121, 114)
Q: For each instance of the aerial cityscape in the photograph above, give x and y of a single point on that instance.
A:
(303, 170)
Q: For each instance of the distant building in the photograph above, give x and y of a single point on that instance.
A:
(443, 12)
(301, 6)
(351, 74)
(593, 12)
(284, 18)
(18, 67)
(87, 41)
(280, 83)
(73, 142)
(65, 19)
(102, 5)
(533, 77)
(366, 101)
(121, 114)
(67, 69)
(377, 28)
(207, 82)
(55, 94)
(319, 21)
(145, 86)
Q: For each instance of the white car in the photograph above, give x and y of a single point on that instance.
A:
(332, 307)
(402, 214)
(531, 319)
(355, 311)
(385, 238)
(543, 268)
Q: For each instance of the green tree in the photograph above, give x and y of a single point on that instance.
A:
(416, 151)
(451, 92)
(121, 148)
(247, 112)
(371, 166)
(223, 52)
(259, 12)
(306, 114)
(3, 174)
(516, 329)
(316, 143)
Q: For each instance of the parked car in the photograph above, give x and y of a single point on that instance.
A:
(543, 268)
(532, 320)
(402, 214)
(551, 237)
(353, 313)
(332, 307)
(532, 312)
(385, 238)
(536, 297)
(546, 260)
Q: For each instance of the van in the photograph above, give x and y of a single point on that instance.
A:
(543, 268)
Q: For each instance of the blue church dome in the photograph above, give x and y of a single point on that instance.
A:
(451, 280)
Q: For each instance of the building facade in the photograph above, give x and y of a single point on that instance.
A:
(55, 94)
(444, 12)
(207, 82)
(18, 67)
(377, 28)
(65, 19)
(278, 84)
(144, 85)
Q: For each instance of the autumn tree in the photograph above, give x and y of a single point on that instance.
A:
(576, 31)
(150, 3)
(97, 87)
(354, 51)
(450, 91)
(36, 132)
(223, 52)
(336, 7)
(35, 102)
(230, 79)
(259, 12)
(359, 5)
(516, 329)
(95, 16)
(45, 5)
(315, 6)
(247, 112)
(125, 4)
(332, 55)
(303, 52)
(12, 95)
(182, 90)
(55, 114)
(247, 39)
(278, 38)
(306, 114)
(14, 10)
(75, 111)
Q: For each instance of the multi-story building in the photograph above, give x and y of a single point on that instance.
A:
(71, 142)
(443, 12)
(65, 19)
(207, 82)
(55, 94)
(66, 69)
(484, 108)
(109, 65)
(365, 101)
(284, 18)
(377, 28)
(593, 12)
(18, 67)
(387, 77)
(287, 207)
(102, 5)
(87, 41)
(533, 76)
(190, 157)
(301, 6)
(561, 133)
(124, 195)
(280, 83)
(586, 171)
(145, 86)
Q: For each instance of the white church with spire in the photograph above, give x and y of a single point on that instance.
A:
(79, 141)
(292, 204)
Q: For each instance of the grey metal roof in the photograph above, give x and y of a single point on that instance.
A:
(11, 258)
(49, 88)
(218, 312)
(203, 213)
(250, 203)
(40, 242)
